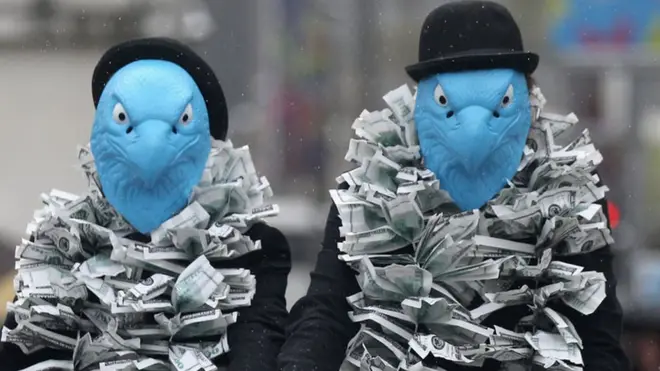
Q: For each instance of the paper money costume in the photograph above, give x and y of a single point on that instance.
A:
(164, 264)
(474, 239)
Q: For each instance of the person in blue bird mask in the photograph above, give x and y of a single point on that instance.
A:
(460, 240)
(165, 263)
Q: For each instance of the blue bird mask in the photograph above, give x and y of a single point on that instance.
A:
(150, 141)
(472, 127)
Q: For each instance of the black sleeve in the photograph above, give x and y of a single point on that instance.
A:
(601, 330)
(257, 336)
(12, 357)
(319, 329)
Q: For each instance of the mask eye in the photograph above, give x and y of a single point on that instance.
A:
(440, 96)
(507, 99)
(119, 114)
(187, 115)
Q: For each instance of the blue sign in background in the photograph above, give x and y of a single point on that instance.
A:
(598, 24)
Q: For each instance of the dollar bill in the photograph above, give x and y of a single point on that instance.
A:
(99, 265)
(108, 217)
(585, 292)
(155, 348)
(403, 154)
(441, 317)
(195, 242)
(151, 287)
(132, 254)
(561, 269)
(550, 345)
(389, 326)
(239, 165)
(371, 363)
(586, 241)
(189, 359)
(58, 317)
(361, 304)
(377, 127)
(402, 104)
(127, 306)
(100, 288)
(379, 170)
(357, 217)
(428, 310)
(196, 325)
(425, 345)
(42, 275)
(540, 140)
(443, 257)
(497, 247)
(354, 261)
(236, 298)
(486, 270)
(27, 335)
(82, 208)
(404, 216)
(222, 199)
(564, 326)
(147, 331)
(394, 282)
(419, 366)
(111, 339)
(26, 344)
(243, 220)
(557, 124)
(62, 236)
(195, 285)
(213, 350)
(41, 253)
(375, 343)
(193, 216)
(51, 365)
(359, 149)
(149, 364)
(374, 241)
(461, 226)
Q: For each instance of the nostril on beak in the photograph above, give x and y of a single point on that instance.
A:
(496, 114)
(450, 114)
(174, 130)
(129, 129)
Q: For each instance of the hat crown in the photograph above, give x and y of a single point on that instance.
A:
(166, 49)
(468, 27)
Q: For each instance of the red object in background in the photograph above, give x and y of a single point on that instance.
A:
(619, 35)
(613, 212)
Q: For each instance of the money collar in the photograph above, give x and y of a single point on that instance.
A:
(421, 265)
(81, 250)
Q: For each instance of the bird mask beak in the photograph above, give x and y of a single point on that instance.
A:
(150, 150)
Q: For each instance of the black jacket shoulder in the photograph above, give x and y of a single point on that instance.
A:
(256, 338)
(318, 328)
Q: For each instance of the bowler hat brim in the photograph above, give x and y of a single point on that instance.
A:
(160, 48)
(525, 62)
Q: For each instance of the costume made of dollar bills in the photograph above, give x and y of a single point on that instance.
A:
(164, 264)
(476, 240)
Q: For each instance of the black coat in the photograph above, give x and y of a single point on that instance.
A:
(254, 340)
(319, 328)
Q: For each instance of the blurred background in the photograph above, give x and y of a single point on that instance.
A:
(297, 72)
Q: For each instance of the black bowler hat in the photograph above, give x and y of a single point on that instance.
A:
(173, 51)
(470, 35)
